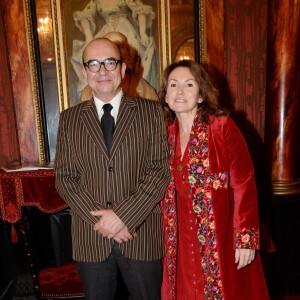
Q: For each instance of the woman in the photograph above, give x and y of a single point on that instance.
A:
(210, 208)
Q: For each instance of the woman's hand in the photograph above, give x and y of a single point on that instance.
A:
(244, 257)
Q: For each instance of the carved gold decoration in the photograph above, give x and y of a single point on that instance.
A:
(164, 37)
(34, 81)
(202, 31)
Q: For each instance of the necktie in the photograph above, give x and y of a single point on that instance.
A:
(107, 125)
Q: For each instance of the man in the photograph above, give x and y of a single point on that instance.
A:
(133, 84)
(113, 189)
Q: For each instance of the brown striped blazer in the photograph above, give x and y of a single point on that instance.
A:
(131, 181)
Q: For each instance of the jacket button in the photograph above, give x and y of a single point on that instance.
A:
(110, 169)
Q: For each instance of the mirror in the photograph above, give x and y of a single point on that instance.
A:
(182, 29)
(188, 30)
(48, 72)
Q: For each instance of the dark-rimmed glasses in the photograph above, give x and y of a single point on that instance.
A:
(109, 64)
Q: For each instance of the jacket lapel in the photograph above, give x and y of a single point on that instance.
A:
(126, 115)
(92, 124)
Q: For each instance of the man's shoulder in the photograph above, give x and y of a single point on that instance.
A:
(143, 102)
(76, 109)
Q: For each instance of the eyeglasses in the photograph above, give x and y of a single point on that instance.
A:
(109, 64)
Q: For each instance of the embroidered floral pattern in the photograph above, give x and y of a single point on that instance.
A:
(201, 184)
(246, 238)
(170, 224)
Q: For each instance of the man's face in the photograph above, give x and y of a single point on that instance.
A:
(105, 84)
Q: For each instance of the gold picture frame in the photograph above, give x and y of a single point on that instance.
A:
(62, 52)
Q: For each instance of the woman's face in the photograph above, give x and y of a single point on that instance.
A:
(182, 91)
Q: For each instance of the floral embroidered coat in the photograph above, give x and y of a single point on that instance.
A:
(224, 200)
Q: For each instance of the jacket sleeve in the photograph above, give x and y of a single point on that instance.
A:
(242, 180)
(67, 177)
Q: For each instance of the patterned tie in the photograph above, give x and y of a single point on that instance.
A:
(107, 125)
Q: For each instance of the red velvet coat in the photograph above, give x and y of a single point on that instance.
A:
(229, 198)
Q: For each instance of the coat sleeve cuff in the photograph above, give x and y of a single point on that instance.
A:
(246, 238)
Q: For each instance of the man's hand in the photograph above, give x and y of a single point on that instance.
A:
(109, 224)
(244, 257)
(124, 236)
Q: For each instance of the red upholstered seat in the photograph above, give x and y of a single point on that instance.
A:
(60, 282)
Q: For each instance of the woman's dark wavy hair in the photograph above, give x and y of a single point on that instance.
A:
(208, 92)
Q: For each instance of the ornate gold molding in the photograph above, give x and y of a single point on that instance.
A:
(164, 36)
(202, 30)
(60, 55)
(34, 81)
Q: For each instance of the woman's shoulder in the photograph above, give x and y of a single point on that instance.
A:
(223, 124)
(219, 120)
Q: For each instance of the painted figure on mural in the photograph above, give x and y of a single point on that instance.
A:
(210, 208)
(129, 17)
